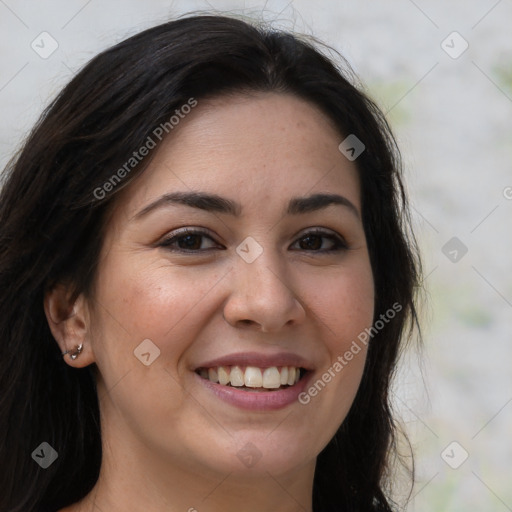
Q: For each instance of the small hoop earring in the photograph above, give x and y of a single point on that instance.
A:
(76, 353)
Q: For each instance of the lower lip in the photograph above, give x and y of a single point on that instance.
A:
(257, 400)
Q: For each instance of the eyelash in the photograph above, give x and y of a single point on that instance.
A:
(340, 244)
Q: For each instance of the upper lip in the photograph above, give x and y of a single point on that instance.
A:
(258, 360)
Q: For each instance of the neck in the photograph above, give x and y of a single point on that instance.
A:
(178, 492)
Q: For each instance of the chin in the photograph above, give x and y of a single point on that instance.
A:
(256, 455)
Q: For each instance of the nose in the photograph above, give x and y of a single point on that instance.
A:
(263, 296)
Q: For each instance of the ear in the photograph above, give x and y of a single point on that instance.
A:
(69, 324)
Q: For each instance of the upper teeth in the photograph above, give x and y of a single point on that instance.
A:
(252, 377)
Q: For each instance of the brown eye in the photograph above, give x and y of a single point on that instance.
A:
(186, 240)
(314, 240)
(190, 242)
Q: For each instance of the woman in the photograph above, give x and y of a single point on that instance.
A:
(207, 276)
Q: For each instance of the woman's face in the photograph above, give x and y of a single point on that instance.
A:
(268, 277)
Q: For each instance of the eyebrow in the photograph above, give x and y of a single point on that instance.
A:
(218, 204)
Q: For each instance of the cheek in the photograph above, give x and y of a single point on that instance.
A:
(154, 300)
(146, 302)
(342, 301)
(343, 306)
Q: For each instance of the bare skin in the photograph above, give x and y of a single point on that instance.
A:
(170, 444)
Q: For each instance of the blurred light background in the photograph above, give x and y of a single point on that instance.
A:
(448, 97)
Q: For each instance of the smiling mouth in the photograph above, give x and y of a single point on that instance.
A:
(253, 378)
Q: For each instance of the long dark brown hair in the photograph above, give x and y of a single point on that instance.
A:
(52, 226)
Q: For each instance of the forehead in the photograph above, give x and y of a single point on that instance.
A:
(256, 149)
